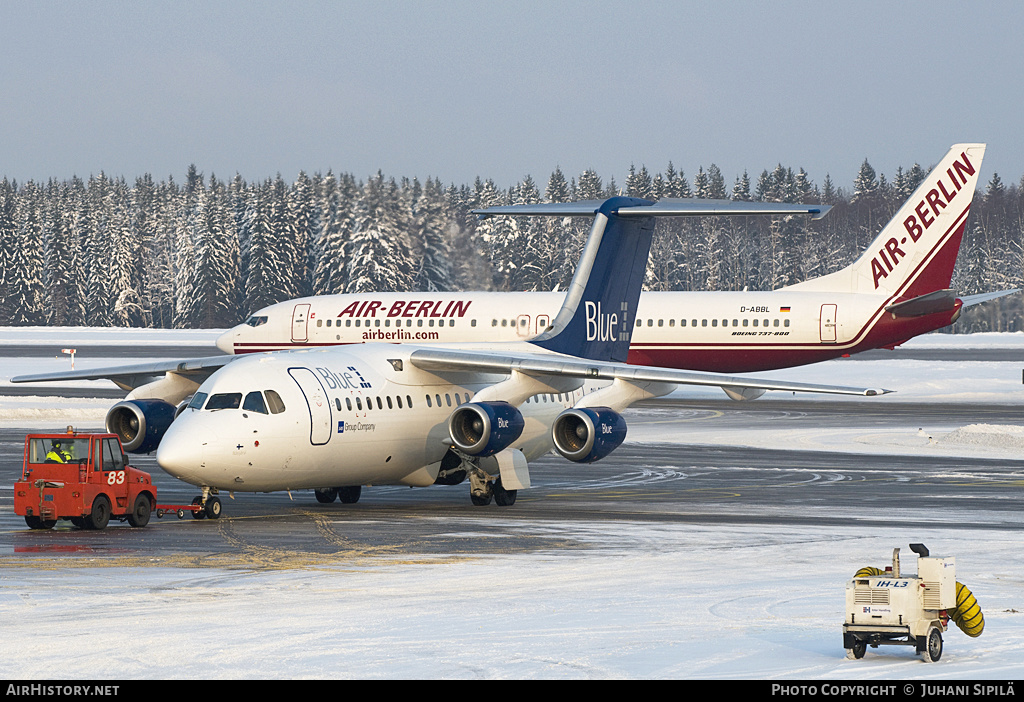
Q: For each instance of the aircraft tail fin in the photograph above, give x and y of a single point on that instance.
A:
(596, 319)
(915, 252)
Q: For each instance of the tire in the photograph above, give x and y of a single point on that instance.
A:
(198, 513)
(932, 649)
(326, 496)
(99, 517)
(39, 523)
(141, 510)
(480, 500)
(213, 508)
(503, 497)
(858, 649)
(350, 495)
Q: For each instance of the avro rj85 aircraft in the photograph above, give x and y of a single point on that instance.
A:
(335, 418)
(899, 288)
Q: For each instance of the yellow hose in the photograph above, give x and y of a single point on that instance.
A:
(967, 615)
(868, 571)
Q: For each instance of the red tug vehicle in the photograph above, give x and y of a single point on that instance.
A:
(82, 477)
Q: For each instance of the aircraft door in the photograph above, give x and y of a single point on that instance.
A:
(300, 318)
(828, 324)
(318, 403)
(523, 325)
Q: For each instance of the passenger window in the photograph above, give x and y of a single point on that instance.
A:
(755, 322)
(274, 401)
(319, 322)
(786, 323)
(428, 401)
(390, 406)
(448, 399)
(328, 322)
(776, 323)
(380, 405)
(714, 322)
(472, 322)
(650, 322)
(408, 399)
(398, 399)
(348, 403)
(438, 398)
(703, 322)
(337, 403)
(254, 402)
(661, 322)
(359, 404)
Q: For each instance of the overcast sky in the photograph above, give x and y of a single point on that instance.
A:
(460, 89)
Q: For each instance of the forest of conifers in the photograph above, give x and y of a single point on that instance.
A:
(206, 252)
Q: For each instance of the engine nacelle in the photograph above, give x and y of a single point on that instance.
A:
(140, 424)
(588, 434)
(485, 428)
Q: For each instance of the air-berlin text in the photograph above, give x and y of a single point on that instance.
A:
(924, 215)
(408, 308)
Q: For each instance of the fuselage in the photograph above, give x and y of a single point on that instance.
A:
(331, 417)
(726, 332)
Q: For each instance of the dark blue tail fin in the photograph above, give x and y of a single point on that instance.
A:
(596, 319)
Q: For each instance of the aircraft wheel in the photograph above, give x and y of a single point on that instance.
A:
(139, 516)
(480, 500)
(198, 513)
(326, 496)
(213, 508)
(350, 495)
(503, 497)
(100, 515)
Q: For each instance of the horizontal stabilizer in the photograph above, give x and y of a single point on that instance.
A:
(938, 301)
(686, 207)
(969, 300)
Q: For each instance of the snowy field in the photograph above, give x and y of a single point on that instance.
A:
(633, 600)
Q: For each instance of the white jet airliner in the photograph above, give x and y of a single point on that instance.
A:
(338, 417)
(898, 289)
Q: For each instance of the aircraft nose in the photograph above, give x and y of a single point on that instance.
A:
(180, 454)
(226, 341)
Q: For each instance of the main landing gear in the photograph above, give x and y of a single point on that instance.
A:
(348, 495)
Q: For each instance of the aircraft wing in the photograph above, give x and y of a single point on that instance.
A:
(133, 376)
(453, 360)
(969, 300)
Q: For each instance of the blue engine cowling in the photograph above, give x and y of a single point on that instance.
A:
(588, 434)
(140, 424)
(485, 428)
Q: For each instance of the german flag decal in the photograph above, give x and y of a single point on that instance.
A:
(783, 309)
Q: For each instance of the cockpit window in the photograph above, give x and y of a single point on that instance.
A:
(254, 402)
(224, 400)
(256, 320)
(275, 402)
(197, 400)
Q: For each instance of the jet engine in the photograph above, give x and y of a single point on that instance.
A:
(588, 434)
(140, 424)
(485, 428)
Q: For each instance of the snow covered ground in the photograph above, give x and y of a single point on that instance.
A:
(634, 600)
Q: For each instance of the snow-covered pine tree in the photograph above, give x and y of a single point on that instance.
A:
(379, 257)
(435, 266)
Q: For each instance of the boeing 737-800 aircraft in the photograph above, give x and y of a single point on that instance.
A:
(335, 417)
(898, 289)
